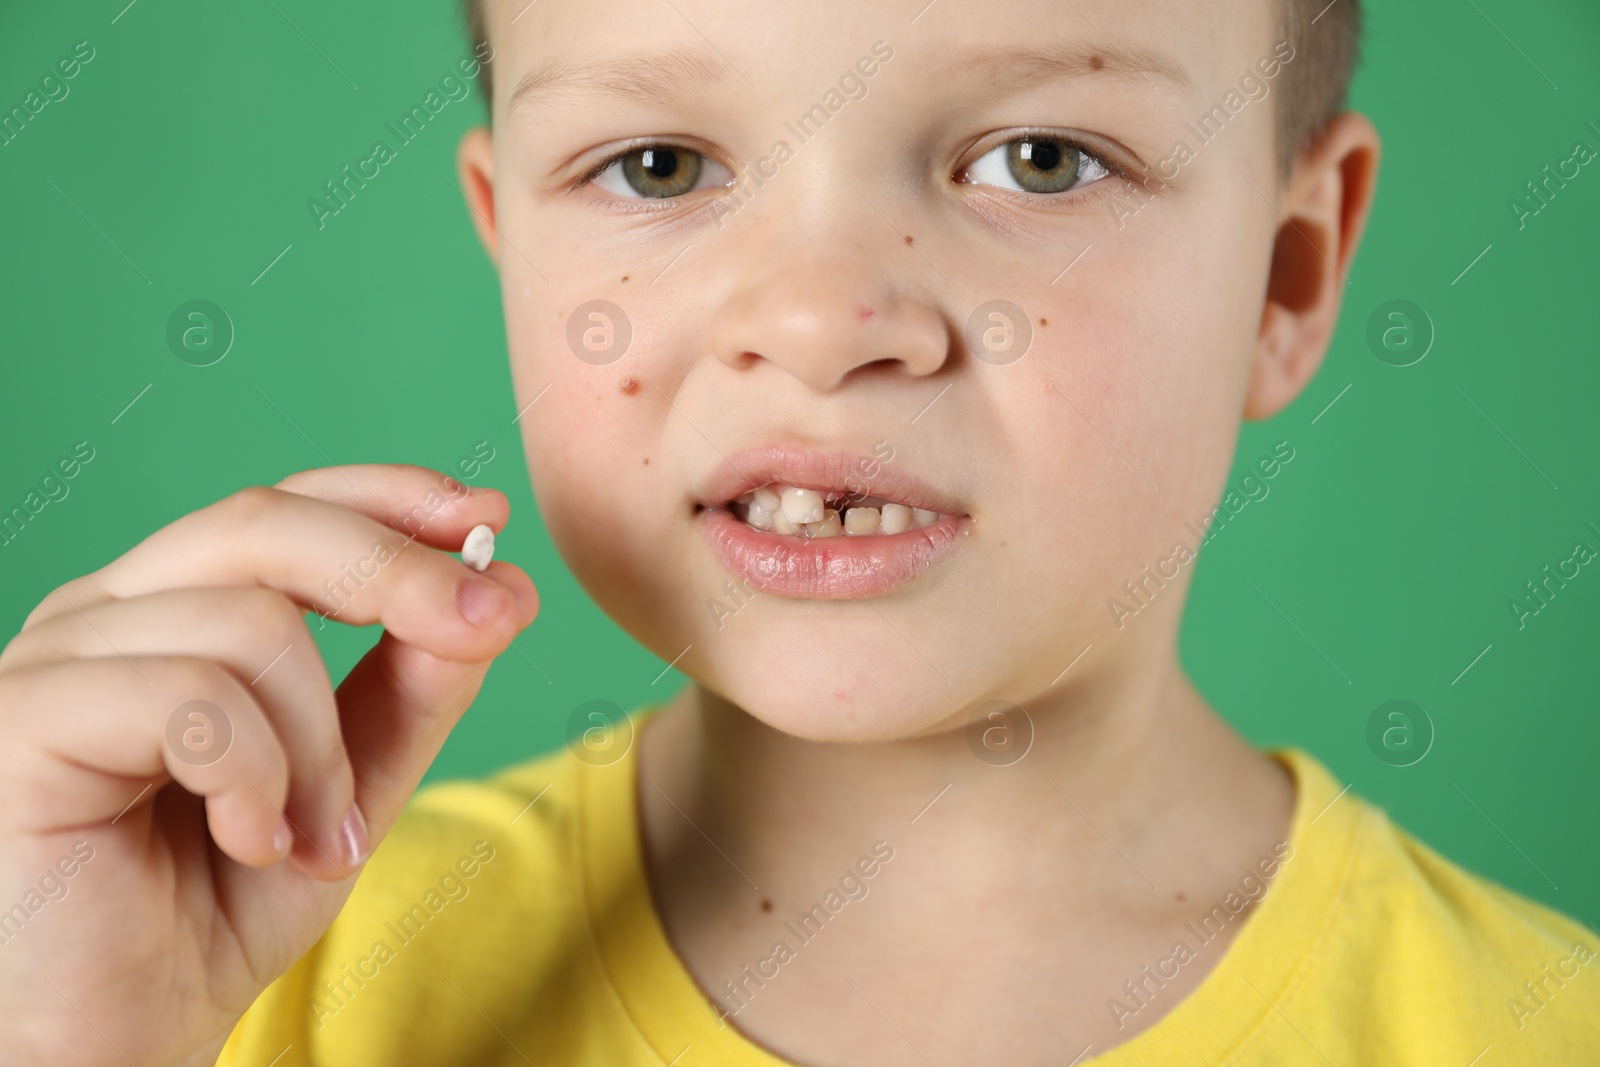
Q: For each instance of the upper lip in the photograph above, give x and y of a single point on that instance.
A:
(825, 471)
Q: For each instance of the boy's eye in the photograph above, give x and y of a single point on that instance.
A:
(659, 171)
(1037, 165)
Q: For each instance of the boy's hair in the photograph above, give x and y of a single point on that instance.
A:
(1326, 38)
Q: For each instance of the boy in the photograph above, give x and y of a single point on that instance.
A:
(884, 350)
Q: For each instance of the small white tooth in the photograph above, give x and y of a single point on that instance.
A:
(829, 526)
(861, 521)
(926, 518)
(769, 500)
(478, 549)
(745, 498)
(802, 505)
(896, 518)
(782, 524)
(759, 517)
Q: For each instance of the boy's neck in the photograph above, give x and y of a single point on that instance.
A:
(1139, 762)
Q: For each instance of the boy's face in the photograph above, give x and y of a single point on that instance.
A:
(826, 306)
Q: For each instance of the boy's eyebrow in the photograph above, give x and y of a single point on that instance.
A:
(641, 75)
(1010, 68)
(661, 75)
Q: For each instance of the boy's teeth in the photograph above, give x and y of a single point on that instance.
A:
(759, 517)
(830, 525)
(802, 505)
(861, 521)
(896, 518)
(791, 510)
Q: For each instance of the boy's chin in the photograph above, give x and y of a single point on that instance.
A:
(860, 692)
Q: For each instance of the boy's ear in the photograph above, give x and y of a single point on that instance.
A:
(1325, 210)
(475, 166)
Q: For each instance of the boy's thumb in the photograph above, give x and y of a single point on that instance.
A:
(396, 708)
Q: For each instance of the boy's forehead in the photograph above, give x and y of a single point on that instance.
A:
(563, 52)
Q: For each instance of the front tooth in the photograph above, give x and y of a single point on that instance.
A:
(829, 526)
(782, 524)
(759, 517)
(802, 505)
(767, 499)
(926, 518)
(896, 518)
(861, 521)
(744, 498)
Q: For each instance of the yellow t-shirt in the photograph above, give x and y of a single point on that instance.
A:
(508, 921)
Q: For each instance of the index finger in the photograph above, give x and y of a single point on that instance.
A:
(424, 504)
(334, 560)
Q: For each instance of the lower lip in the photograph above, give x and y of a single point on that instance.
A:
(842, 567)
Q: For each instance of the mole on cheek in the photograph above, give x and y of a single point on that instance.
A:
(909, 239)
(1096, 63)
(624, 277)
(1044, 322)
(629, 386)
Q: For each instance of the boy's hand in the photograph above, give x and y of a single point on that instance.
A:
(163, 715)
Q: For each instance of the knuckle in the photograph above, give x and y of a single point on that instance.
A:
(251, 502)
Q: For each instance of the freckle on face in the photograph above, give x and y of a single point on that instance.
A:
(909, 238)
(1044, 322)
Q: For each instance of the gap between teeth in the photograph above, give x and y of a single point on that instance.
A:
(791, 510)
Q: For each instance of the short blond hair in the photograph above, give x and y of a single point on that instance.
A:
(1326, 38)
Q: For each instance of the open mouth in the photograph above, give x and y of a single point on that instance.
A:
(830, 526)
(797, 511)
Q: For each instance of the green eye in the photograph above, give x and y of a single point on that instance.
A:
(1042, 165)
(657, 172)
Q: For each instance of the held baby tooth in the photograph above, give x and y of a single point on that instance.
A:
(479, 547)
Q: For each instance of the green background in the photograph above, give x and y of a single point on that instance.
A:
(1379, 567)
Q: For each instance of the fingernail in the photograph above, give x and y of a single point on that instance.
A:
(353, 844)
(480, 600)
(283, 837)
(527, 602)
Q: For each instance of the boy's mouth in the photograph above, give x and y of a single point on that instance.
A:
(825, 525)
(795, 511)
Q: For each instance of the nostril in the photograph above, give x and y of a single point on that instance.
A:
(747, 360)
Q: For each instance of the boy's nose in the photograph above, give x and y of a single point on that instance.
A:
(822, 314)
